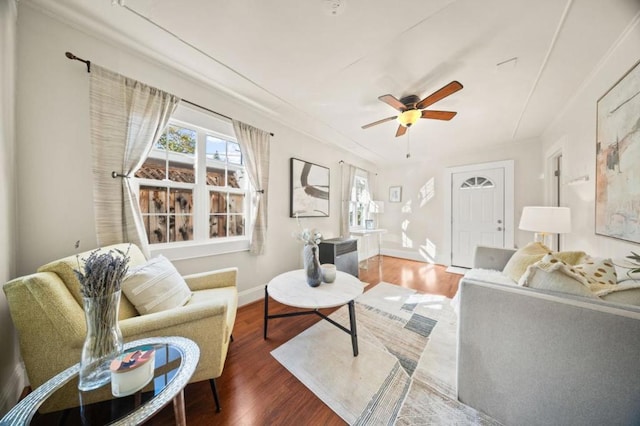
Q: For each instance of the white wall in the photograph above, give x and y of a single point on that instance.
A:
(10, 368)
(54, 174)
(416, 225)
(575, 131)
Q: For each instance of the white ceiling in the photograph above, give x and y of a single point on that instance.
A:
(322, 73)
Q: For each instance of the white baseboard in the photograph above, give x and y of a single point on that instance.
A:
(403, 254)
(251, 295)
(13, 389)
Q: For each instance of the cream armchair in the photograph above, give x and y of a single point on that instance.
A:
(46, 308)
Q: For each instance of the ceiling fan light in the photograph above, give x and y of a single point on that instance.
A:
(409, 117)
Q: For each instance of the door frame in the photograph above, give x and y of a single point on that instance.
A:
(554, 190)
(508, 166)
(555, 150)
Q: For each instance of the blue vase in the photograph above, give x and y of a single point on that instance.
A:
(312, 265)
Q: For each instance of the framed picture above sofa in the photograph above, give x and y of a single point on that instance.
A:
(309, 187)
(617, 159)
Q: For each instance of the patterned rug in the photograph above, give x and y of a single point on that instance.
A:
(405, 372)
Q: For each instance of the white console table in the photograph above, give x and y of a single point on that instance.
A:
(367, 234)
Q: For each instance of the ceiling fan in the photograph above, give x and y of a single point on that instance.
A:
(412, 108)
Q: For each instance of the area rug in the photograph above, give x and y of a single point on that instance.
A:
(405, 372)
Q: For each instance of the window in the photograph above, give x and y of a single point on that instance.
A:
(476, 182)
(192, 186)
(359, 204)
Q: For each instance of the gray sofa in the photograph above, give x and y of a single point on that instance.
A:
(535, 357)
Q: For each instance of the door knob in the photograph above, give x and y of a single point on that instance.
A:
(499, 228)
(499, 220)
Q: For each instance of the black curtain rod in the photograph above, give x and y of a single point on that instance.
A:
(88, 63)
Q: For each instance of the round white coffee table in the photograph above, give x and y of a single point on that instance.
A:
(291, 289)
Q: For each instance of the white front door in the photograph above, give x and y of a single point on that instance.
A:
(477, 213)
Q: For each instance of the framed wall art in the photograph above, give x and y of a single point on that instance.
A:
(309, 189)
(395, 194)
(618, 159)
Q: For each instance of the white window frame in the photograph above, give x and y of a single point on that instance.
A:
(205, 124)
(353, 203)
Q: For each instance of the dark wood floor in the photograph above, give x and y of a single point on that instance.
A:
(256, 390)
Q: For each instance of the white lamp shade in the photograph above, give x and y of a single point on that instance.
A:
(548, 220)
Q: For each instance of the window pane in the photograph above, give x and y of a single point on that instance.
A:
(218, 202)
(236, 203)
(153, 200)
(215, 176)
(359, 214)
(217, 226)
(181, 172)
(182, 200)
(477, 182)
(156, 228)
(216, 149)
(177, 139)
(234, 155)
(236, 178)
(183, 229)
(236, 225)
(153, 168)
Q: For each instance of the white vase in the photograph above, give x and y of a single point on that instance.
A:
(328, 272)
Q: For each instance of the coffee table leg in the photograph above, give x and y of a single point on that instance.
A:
(266, 311)
(354, 333)
(178, 409)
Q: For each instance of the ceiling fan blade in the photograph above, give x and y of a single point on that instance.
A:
(393, 102)
(442, 93)
(438, 115)
(401, 130)
(384, 120)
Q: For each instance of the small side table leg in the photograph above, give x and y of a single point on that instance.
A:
(266, 311)
(354, 332)
(178, 409)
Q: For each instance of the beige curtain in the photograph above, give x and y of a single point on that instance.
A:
(348, 176)
(126, 118)
(8, 67)
(254, 144)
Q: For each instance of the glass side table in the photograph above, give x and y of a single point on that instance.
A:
(176, 359)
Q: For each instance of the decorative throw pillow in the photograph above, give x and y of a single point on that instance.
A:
(155, 286)
(534, 252)
(553, 274)
(570, 257)
(598, 271)
(522, 258)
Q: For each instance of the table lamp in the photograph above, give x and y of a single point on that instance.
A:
(545, 221)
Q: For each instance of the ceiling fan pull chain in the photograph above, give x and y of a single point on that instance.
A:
(409, 143)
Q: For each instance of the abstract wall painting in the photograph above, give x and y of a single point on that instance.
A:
(309, 189)
(618, 159)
